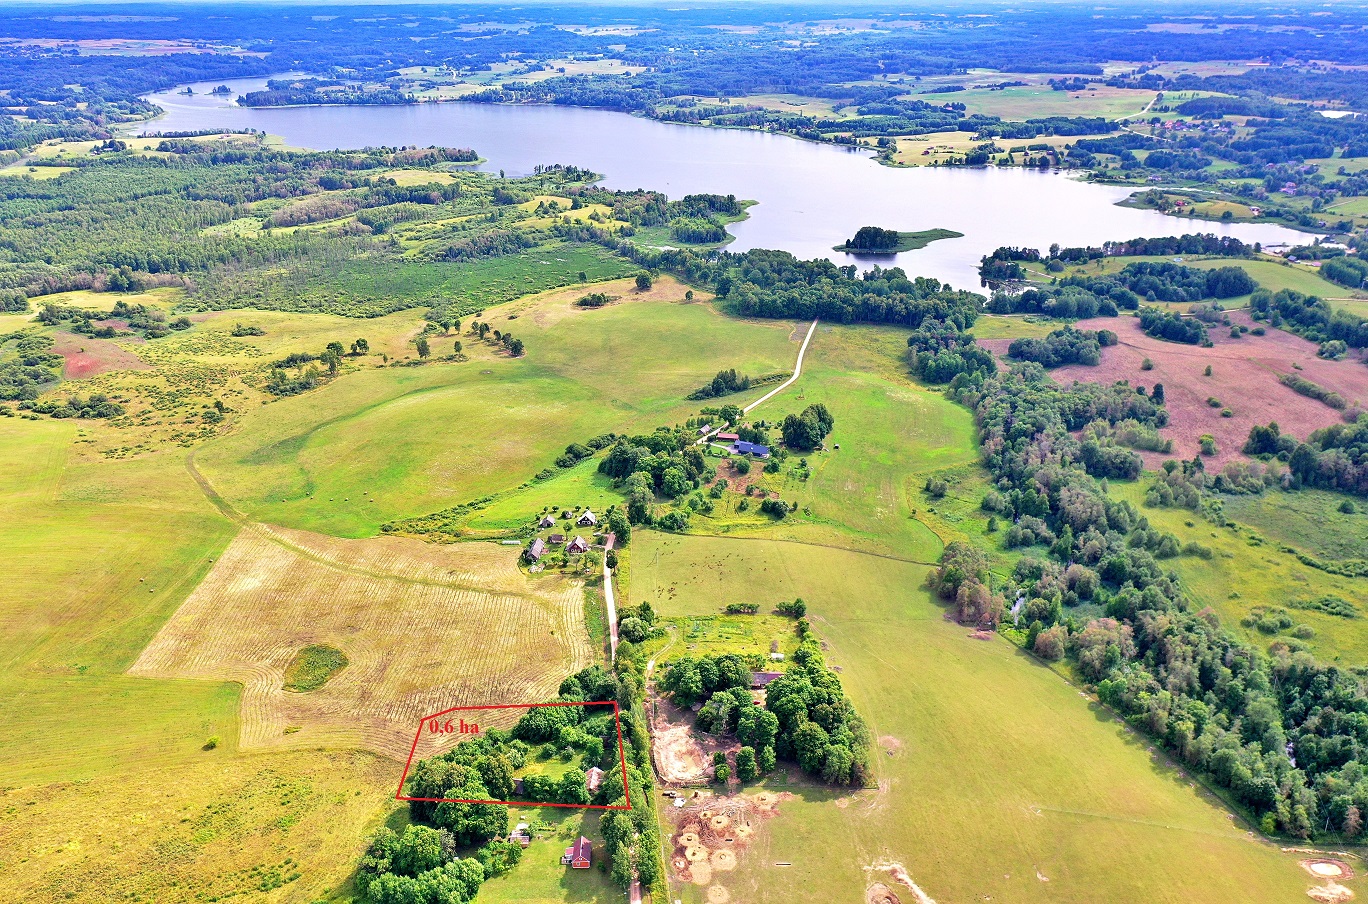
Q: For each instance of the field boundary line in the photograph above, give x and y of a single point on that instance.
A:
(266, 532)
(858, 552)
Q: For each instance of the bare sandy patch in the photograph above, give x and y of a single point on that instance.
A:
(424, 628)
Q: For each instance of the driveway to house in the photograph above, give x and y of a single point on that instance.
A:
(797, 372)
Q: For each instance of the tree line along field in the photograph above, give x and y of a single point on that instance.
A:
(980, 791)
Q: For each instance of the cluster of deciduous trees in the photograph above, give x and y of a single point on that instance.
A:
(1163, 324)
(423, 864)
(806, 430)
(941, 350)
(1309, 316)
(807, 718)
(1332, 458)
(1166, 281)
(1063, 346)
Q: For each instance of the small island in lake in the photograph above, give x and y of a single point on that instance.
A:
(875, 240)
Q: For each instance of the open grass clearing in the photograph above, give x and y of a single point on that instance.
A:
(1040, 100)
(470, 430)
(1248, 570)
(423, 627)
(1307, 519)
(892, 433)
(994, 778)
(284, 827)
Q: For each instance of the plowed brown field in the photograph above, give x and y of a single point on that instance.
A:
(423, 627)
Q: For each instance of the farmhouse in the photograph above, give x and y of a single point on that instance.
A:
(744, 448)
(546, 521)
(579, 855)
(535, 551)
(588, 519)
(577, 545)
(726, 437)
(762, 679)
(556, 539)
(593, 779)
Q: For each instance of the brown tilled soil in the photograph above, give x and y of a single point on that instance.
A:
(424, 628)
(89, 357)
(1244, 378)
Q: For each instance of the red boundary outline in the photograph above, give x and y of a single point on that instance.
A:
(622, 758)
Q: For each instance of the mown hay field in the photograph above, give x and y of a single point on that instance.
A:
(996, 779)
(392, 443)
(423, 628)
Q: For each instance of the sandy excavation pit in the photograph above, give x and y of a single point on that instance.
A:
(711, 833)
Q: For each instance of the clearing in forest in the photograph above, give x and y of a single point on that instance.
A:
(422, 628)
(1244, 379)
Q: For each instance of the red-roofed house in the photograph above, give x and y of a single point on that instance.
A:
(725, 437)
(578, 545)
(579, 855)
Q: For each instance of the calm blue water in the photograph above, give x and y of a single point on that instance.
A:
(811, 196)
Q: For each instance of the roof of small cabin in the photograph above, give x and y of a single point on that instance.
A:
(731, 436)
(537, 548)
(760, 679)
(578, 543)
(580, 850)
(593, 778)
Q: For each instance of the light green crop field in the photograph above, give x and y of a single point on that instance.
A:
(396, 442)
(1250, 571)
(996, 779)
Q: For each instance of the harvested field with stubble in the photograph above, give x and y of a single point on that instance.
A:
(1244, 378)
(423, 628)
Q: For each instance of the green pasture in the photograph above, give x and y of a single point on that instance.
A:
(892, 432)
(1309, 520)
(1249, 569)
(1013, 326)
(996, 779)
(96, 556)
(391, 443)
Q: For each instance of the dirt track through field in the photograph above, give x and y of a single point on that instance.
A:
(424, 628)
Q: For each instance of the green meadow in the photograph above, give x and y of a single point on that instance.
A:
(1254, 568)
(395, 442)
(996, 779)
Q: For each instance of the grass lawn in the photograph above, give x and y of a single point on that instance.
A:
(539, 877)
(396, 442)
(995, 779)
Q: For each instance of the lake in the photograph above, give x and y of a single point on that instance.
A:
(811, 196)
